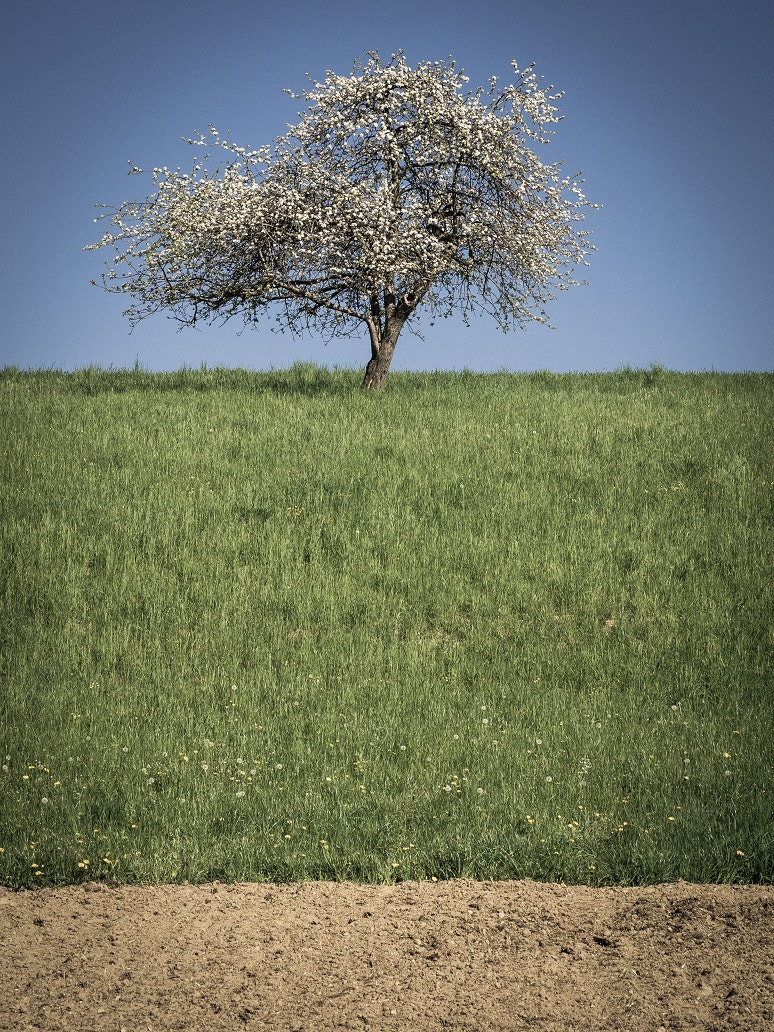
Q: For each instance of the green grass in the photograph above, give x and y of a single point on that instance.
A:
(266, 627)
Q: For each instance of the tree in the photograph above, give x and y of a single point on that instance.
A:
(396, 189)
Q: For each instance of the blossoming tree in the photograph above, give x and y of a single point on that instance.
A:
(398, 188)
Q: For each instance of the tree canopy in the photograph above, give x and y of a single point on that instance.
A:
(399, 187)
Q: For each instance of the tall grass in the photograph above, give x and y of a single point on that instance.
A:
(264, 626)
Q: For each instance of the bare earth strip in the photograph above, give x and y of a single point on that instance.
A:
(459, 955)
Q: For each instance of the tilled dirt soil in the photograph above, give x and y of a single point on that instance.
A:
(456, 955)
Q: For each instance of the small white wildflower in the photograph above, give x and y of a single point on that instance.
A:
(239, 795)
(278, 766)
(727, 773)
(549, 779)
(44, 800)
(538, 741)
(480, 791)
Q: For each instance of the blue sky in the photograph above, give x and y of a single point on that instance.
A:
(668, 113)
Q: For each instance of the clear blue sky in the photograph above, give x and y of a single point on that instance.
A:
(669, 113)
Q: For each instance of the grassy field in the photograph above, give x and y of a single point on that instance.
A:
(266, 627)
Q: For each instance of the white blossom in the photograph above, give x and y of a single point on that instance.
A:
(397, 188)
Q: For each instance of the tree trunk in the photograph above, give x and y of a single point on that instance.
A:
(382, 350)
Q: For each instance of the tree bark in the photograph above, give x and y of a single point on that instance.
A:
(378, 366)
(382, 350)
(383, 341)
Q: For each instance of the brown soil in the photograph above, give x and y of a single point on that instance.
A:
(457, 955)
